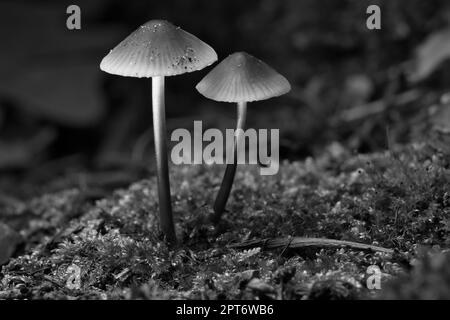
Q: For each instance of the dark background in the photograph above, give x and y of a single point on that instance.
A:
(350, 85)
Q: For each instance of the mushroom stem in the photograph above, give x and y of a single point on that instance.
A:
(160, 132)
(228, 178)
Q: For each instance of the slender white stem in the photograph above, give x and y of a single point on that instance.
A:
(242, 114)
(230, 171)
(160, 132)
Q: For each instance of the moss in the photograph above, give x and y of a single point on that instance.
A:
(429, 279)
(396, 199)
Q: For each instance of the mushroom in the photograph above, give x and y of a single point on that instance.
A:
(158, 49)
(239, 78)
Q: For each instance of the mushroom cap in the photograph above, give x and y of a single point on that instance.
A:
(242, 77)
(158, 48)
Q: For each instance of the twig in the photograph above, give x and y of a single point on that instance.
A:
(287, 246)
(377, 107)
(299, 242)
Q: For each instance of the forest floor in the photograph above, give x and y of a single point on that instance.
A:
(396, 202)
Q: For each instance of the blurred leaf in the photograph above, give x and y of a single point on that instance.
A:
(49, 70)
(357, 89)
(441, 118)
(430, 54)
(68, 94)
(9, 240)
(23, 153)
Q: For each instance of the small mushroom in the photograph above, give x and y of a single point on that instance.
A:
(159, 49)
(239, 78)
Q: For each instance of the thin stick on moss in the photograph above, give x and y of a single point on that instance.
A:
(299, 242)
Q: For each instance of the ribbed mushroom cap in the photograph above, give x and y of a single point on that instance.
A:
(158, 48)
(242, 77)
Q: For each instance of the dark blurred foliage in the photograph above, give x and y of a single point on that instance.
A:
(332, 60)
(319, 45)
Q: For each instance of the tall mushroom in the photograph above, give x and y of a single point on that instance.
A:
(159, 49)
(239, 78)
